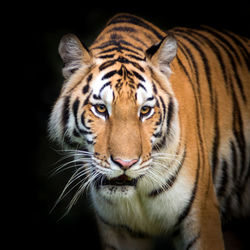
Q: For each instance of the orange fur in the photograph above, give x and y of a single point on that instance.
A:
(195, 87)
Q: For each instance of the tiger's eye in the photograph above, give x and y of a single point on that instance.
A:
(145, 110)
(101, 108)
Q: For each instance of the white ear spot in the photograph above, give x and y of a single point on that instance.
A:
(162, 54)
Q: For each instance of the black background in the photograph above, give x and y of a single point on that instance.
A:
(35, 80)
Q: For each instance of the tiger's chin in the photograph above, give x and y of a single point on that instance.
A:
(119, 187)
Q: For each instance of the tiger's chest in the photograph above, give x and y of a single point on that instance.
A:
(138, 211)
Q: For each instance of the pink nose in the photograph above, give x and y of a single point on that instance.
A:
(125, 164)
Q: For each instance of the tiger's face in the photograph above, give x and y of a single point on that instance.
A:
(124, 119)
(116, 114)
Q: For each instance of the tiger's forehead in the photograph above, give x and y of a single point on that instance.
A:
(121, 80)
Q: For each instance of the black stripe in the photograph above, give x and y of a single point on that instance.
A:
(109, 74)
(118, 46)
(106, 56)
(235, 70)
(136, 21)
(183, 68)
(205, 62)
(97, 97)
(75, 111)
(158, 135)
(90, 142)
(163, 108)
(154, 88)
(86, 101)
(83, 121)
(216, 140)
(137, 65)
(123, 71)
(107, 64)
(122, 28)
(157, 123)
(234, 159)
(150, 99)
(188, 60)
(104, 86)
(85, 89)
(238, 193)
(68, 140)
(89, 78)
(107, 50)
(138, 76)
(65, 112)
(122, 59)
(197, 101)
(130, 45)
(242, 47)
(238, 132)
(170, 113)
(187, 209)
(224, 40)
(136, 57)
(141, 86)
(162, 143)
(76, 133)
(224, 179)
(193, 241)
(197, 98)
(169, 182)
(195, 68)
(216, 52)
(75, 108)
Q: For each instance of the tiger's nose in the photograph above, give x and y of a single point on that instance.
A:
(124, 164)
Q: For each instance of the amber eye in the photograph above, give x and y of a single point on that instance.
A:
(101, 108)
(145, 110)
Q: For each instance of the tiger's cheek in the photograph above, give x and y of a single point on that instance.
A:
(153, 124)
(101, 130)
(148, 128)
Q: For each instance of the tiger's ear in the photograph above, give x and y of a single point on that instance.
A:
(162, 54)
(73, 53)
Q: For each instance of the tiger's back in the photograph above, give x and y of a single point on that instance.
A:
(220, 67)
(163, 119)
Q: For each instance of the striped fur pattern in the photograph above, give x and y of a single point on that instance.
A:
(159, 127)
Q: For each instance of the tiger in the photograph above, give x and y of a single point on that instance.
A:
(158, 123)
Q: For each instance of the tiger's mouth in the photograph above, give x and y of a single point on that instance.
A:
(122, 180)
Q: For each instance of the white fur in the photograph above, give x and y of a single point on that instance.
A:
(134, 208)
(55, 127)
(107, 93)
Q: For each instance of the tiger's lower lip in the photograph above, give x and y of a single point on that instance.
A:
(121, 180)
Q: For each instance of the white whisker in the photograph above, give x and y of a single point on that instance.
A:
(60, 169)
(81, 189)
(67, 165)
(79, 173)
(73, 151)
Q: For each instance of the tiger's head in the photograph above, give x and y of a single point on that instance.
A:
(117, 112)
